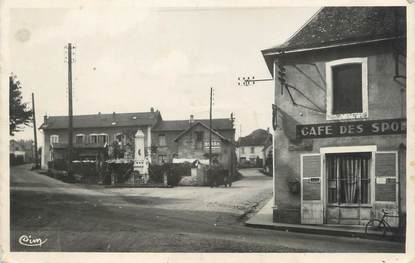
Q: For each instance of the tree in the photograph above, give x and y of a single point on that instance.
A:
(19, 112)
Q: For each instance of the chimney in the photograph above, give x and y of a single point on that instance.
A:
(191, 120)
(151, 109)
(113, 114)
(45, 119)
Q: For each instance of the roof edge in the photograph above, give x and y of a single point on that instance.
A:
(197, 123)
(276, 51)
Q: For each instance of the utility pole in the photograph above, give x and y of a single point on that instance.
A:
(70, 110)
(34, 131)
(210, 128)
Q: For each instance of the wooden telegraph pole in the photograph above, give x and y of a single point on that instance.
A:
(34, 131)
(210, 128)
(70, 110)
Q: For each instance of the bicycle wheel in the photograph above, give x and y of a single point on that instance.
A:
(376, 225)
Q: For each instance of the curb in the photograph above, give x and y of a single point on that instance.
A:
(137, 186)
(325, 231)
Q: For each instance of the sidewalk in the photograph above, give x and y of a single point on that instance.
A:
(263, 219)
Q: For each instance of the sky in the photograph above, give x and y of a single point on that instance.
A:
(132, 59)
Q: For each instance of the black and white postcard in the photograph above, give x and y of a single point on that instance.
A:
(207, 131)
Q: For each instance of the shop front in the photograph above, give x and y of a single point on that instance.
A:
(339, 118)
(351, 184)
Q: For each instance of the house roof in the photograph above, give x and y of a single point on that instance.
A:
(180, 125)
(204, 125)
(103, 120)
(332, 26)
(258, 137)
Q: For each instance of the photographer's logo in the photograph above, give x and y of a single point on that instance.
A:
(29, 241)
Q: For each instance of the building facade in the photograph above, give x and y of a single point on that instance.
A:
(165, 146)
(193, 143)
(340, 118)
(102, 134)
(96, 132)
(250, 148)
(23, 149)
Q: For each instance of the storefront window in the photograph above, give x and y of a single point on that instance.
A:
(348, 178)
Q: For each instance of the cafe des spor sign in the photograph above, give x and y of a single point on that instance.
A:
(355, 128)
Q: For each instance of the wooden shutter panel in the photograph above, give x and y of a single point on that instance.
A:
(386, 176)
(311, 196)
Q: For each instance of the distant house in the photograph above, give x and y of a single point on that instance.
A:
(23, 150)
(96, 133)
(193, 143)
(165, 132)
(250, 149)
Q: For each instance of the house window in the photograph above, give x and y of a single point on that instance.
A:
(79, 138)
(54, 138)
(199, 136)
(162, 158)
(102, 138)
(119, 137)
(347, 91)
(252, 149)
(348, 178)
(93, 138)
(98, 138)
(162, 140)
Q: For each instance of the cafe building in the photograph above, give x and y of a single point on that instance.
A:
(339, 118)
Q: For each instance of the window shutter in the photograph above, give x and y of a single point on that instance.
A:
(386, 176)
(311, 196)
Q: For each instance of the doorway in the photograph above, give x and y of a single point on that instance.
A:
(348, 187)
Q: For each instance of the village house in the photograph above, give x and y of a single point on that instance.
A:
(22, 150)
(165, 133)
(193, 143)
(95, 134)
(250, 148)
(340, 118)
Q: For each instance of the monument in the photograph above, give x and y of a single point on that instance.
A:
(140, 160)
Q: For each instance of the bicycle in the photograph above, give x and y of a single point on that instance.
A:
(381, 225)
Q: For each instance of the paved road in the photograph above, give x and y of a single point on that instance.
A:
(182, 219)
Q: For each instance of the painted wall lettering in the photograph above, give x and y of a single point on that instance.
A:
(355, 128)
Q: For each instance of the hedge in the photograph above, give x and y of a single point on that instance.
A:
(89, 171)
(175, 172)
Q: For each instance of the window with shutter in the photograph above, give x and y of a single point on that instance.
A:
(311, 192)
(386, 171)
